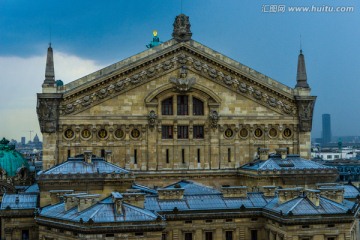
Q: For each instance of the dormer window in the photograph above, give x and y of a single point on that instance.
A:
(167, 106)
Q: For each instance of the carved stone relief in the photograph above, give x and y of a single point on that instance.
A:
(306, 109)
(48, 114)
(182, 83)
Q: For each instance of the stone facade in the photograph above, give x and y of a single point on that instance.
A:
(231, 111)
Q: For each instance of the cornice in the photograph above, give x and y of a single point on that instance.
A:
(111, 85)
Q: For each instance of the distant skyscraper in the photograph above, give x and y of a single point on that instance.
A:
(23, 140)
(326, 128)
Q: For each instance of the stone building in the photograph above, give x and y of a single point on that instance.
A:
(178, 109)
(181, 142)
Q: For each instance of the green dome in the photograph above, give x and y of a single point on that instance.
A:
(10, 159)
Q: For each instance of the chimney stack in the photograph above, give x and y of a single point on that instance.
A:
(134, 197)
(269, 191)
(88, 156)
(287, 194)
(117, 199)
(70, 200)
(314, 196)
(58, 195)
(171, 194)
(263, 154)
(87, 200)
(234, 192)
(282, 152)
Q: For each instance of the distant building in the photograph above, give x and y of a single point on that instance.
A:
(326, 129)
(23, 141)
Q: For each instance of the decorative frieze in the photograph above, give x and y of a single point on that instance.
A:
(234, 81)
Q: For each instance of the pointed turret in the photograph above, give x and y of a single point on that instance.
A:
(301, 77)
(49, 71)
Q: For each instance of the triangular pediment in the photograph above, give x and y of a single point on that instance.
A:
(149, 65)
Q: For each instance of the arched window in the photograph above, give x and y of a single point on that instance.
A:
(198, 107)
(167, 106)
(182, 105)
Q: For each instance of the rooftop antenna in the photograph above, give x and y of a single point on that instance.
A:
(300, 44)
(181, 6)
(31, 131)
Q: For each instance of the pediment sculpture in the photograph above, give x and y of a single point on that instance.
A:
(183, 83)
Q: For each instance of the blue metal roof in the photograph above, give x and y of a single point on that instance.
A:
(19, 201)
(103, 211)
(303, 206)
(350, 191)
(192, 188)
(291, 162)
(78, 165)
(33, 188)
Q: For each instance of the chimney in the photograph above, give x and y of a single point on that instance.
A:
(171, 194)
(134, 197)
(234, 192)
(108, 154)
(117, 199)
(87, 200)
(70, 200)
(287, 194)
(269, 191)
(263, 153)
(314, 196)
(282, 152)
(333, 193)
(58, 195)
(88, 156)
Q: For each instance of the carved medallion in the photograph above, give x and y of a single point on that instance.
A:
(244, 133)
(258, 133)
(85, 133)
(273, 133)
(229, 133)
(135, 133)
(69, 134)
(102, 134)
(287, 133)
(119, 133)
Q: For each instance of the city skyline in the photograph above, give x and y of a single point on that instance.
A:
(102, 35)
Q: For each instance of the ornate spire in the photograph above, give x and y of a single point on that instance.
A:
(301, 77)
(49, 71)
(182, 26)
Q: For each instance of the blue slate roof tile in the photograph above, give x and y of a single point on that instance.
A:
(19, 201)
(78, 165)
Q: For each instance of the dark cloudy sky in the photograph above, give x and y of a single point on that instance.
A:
(88, 35)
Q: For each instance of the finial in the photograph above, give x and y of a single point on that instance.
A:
(182, 26)
(301, 76)
(49, 69)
